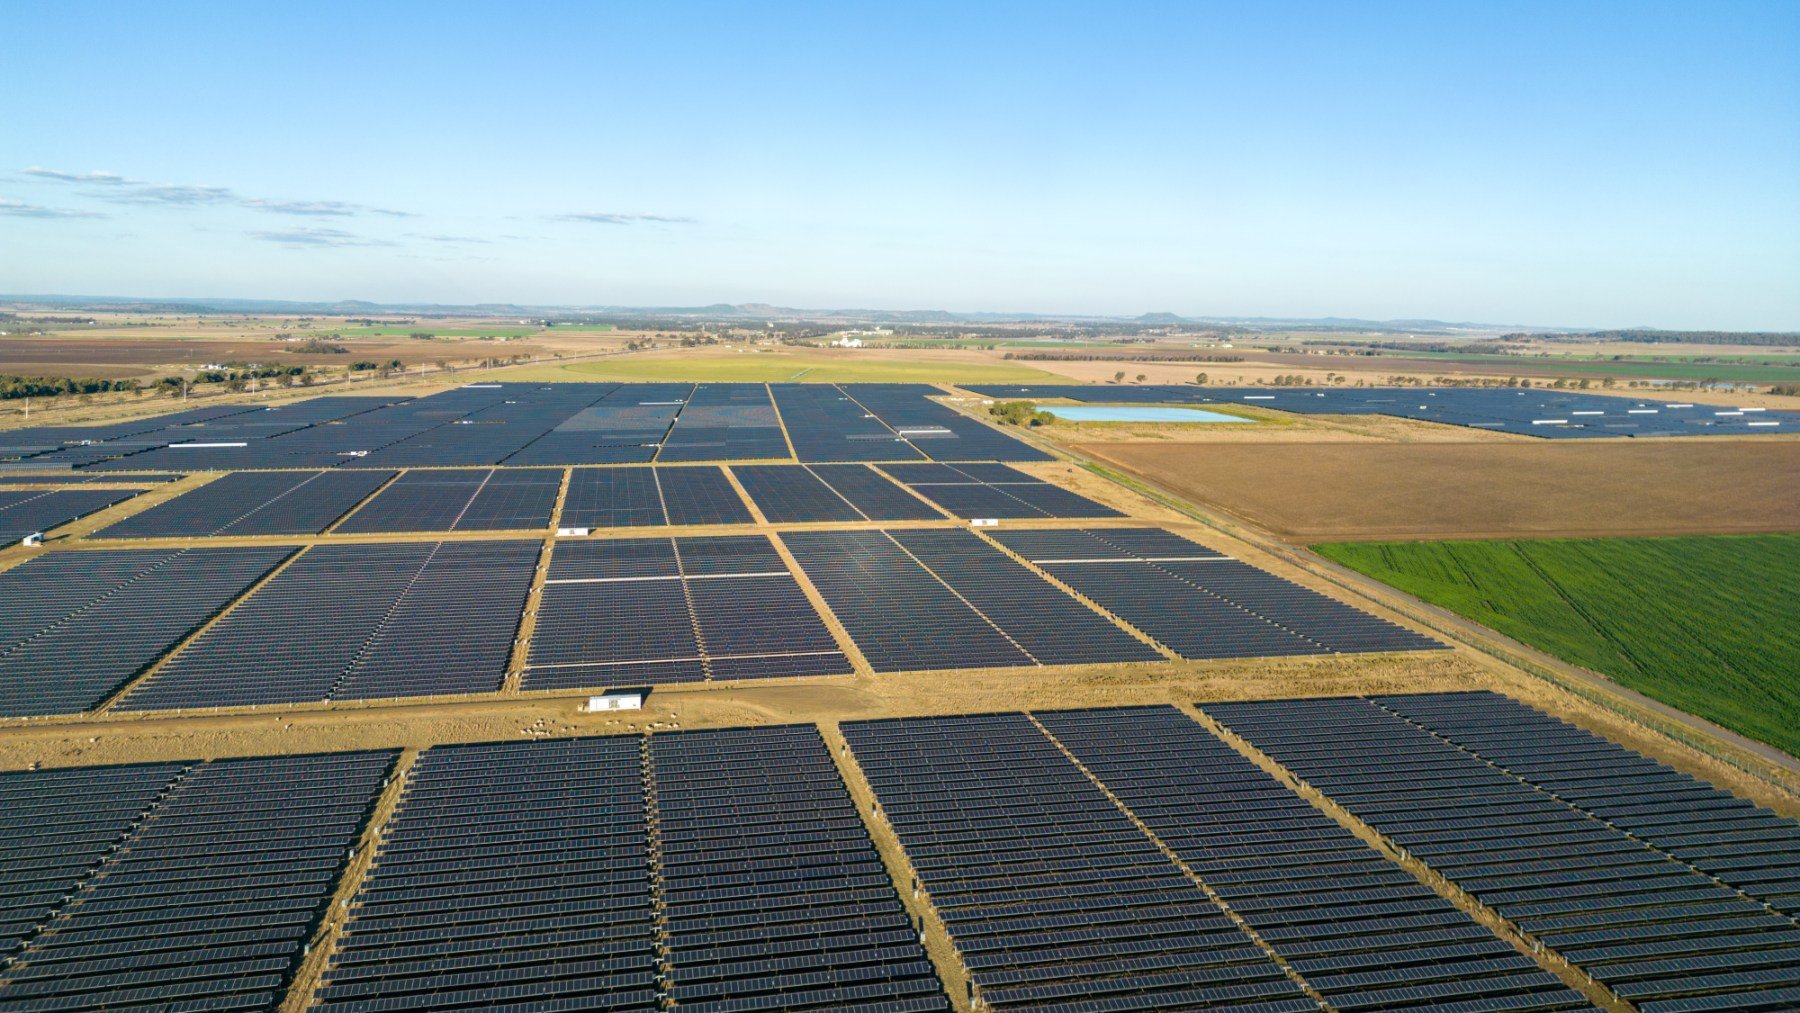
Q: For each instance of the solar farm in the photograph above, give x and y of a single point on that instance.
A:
(728, 697)
(1549, 414)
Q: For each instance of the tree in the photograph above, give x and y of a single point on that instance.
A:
(1119, 377)
(1200, 378)
(1140, 378)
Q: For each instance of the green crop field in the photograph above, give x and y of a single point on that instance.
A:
(1707, 624)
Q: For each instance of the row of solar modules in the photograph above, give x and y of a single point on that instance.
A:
(1126, 859)
(173, 886)
(666, 610)
(403, 619)
(1119, 859)
(1674, 895)
(1530, 412)
(494, 499)
(33, 511)
(520, 424)
(85, 478)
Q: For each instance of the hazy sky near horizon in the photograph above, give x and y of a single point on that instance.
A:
(1555, 163)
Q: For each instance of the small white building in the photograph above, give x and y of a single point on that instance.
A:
(847, 342)
(617, 700)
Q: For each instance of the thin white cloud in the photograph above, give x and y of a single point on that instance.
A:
(309, 238)
(175, 194)
(307, 208)
(391, 213)
(620, 218)
(101, 177)
(20, 209)
(439, 238)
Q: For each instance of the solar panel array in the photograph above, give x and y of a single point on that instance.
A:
(510, 874)
(938, 432)
(1201, 604)
(1650, 926)
(726, 422)
(994, 490)
(1053, 897)
(495, 499)
(938, 598)
(790, 493)
(176, 886)
(719, 870)
(773, 894)
(1362, 931)
(1748, 847)
(358, 622)
(84, 478)
(659, 610)
(30, 511)
(1531, 412)
(254, 503)
(651, 497)
(527, 424)
(76, 626)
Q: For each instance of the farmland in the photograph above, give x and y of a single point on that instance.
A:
(1707, 624)
(784, 365)
(1338, 490)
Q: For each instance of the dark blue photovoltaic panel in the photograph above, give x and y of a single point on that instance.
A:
(774, 897)
(1531, 412)
(993, 490)
(1051, 894)
(1200, 604)
(74, 627)
(873, 494)
(726, 422)
(30, 511)
(1052, 627)
(254, 503)
(1360, 929)
(935, 430)
(676, 610)
(1741, 844)
(787, 493)
(508, 870)
(488, 499)
(211, 897)
(1652, 927)
(350, 622)
(900, 616)
(700, 496)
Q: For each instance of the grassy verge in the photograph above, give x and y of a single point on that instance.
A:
(1707, 624)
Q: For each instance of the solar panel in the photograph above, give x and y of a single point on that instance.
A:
(358, 622)
(494, 499)
(507, 870)
(651, 497)
(74, 627)
(790, 493)
(677, 610)
(994, 490)
(1050, 893)
(254, 503)
(1201, 604)
(210, 897)
(901, 617)
(1553, 414)
(1291, 872)
(773, 894)
(1743, 845)
(30, 511)
(1484, 829)
(1053, 628)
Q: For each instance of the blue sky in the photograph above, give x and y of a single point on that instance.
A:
(1582, 164)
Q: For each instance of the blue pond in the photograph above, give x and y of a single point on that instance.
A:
(1136, 413)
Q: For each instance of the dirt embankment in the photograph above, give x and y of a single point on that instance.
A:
(1319, 492)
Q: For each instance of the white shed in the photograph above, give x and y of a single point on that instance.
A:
(617, 700)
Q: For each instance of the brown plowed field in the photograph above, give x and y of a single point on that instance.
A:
(102, 357)
(1351, 491)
